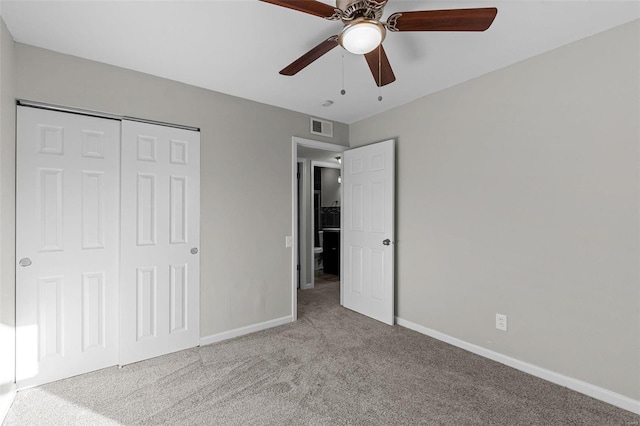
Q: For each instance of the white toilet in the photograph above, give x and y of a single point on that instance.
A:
(317, 252)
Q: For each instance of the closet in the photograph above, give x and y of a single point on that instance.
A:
(107, 237)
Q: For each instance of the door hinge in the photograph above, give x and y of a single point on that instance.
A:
(298, 267)
(298, 175)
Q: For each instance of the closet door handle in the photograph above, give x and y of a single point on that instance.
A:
(24, 262)
(194, 250)
(386, 242)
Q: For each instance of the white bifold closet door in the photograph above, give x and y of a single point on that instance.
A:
(159, 264)
(107, 231)
(67, 226)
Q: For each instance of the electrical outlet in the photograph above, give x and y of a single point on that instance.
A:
(501, 322)
(288, 241)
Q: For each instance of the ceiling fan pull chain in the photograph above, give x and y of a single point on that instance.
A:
(343, 92)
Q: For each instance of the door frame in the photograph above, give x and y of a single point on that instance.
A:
(302, 223)
(309, 143)
(311, 244)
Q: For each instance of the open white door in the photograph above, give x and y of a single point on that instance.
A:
(368, 230)
(67, 242)
(160, 263)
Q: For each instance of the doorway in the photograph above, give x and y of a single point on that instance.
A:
(324, 252)
(305, 216)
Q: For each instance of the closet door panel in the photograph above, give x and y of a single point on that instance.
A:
(160, 240)
(67, 244)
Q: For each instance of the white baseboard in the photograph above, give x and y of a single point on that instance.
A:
(6, 399)
(306, 286)
(593, 391)
(225, 335)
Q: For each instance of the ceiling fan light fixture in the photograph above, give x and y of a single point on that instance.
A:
(362, 36)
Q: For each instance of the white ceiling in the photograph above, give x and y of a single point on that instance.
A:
(317, 154)
(238, 46)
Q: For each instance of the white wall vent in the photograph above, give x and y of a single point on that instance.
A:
(321, 127)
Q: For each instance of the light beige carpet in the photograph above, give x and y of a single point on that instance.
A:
(333, 366)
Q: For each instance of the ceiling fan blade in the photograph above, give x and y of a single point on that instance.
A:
(443, 20)
(306, 59)
(311, 7)
(380, 66)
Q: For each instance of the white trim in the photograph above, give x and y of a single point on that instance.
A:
(593, 391)
(312, 224)
(6, 399)
(302, 237)
(294, 229)
(226, 335)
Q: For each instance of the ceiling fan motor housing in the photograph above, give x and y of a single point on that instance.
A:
(354, 9)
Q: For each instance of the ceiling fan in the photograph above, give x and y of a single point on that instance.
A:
(363, 31)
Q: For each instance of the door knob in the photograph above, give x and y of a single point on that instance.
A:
(386, 242)
(24, 262)
(194, 250)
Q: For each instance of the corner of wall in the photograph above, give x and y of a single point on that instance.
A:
(7, 219)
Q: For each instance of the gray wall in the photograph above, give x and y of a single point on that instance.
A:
(245, 174)
(518, 193)
(7, 209)
(330, 187)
